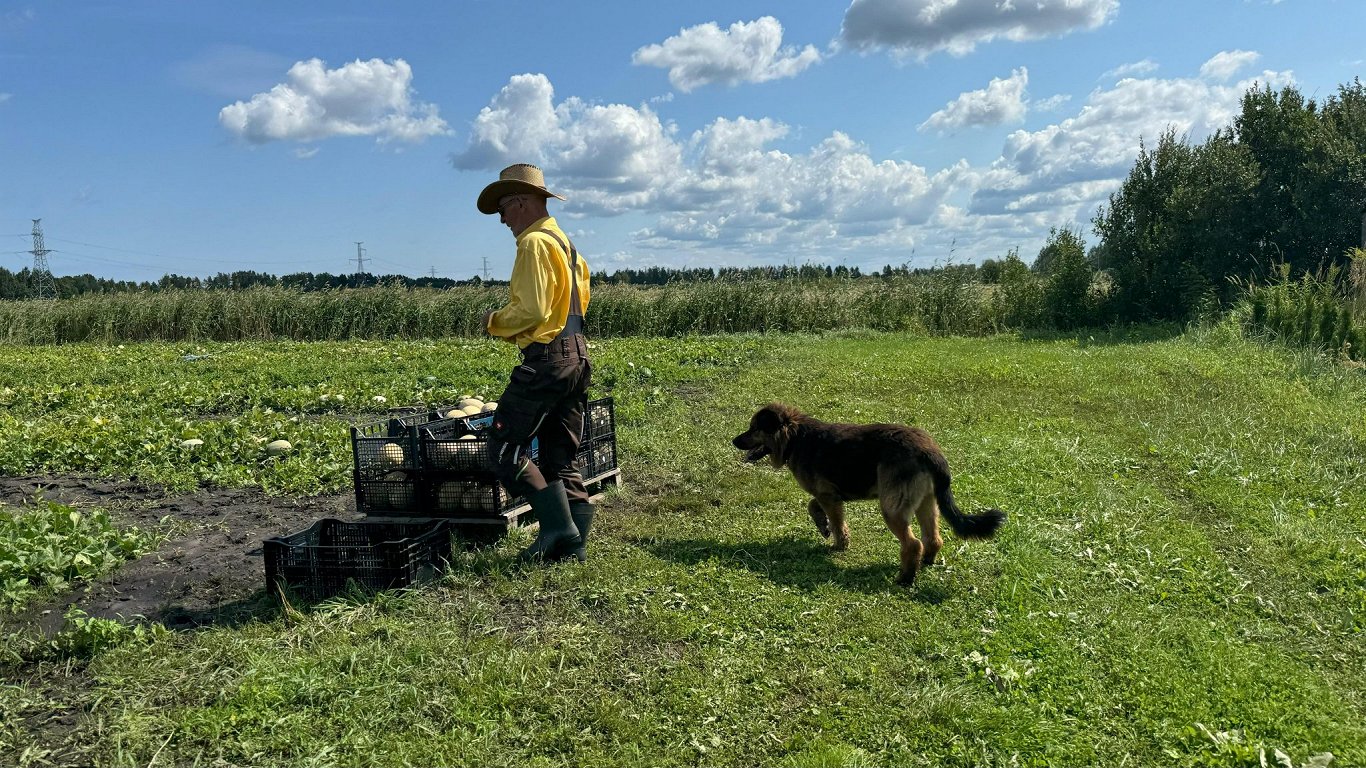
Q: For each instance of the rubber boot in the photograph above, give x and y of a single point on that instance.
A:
(582, 514)
(557, 527)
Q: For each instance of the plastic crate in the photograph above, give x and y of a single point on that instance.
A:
(597, 457)
(321, 560)
(599, 420)
(381, 447)
(456, 494)
(418, 462)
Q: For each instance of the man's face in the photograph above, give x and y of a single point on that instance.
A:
(514, 212)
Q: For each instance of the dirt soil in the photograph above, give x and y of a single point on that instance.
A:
(209, 571)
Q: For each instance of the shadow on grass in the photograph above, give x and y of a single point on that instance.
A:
(260, 606)
(804, 564)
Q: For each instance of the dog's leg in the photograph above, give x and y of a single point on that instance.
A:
(897, 514)
(839, 529)
(927, 514)
(818, 517)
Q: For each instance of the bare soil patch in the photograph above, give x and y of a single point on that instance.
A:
(209, 570)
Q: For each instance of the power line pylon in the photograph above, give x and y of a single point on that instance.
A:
(43, 286)
(360, 259)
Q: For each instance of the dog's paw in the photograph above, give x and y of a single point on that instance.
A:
(822, 522)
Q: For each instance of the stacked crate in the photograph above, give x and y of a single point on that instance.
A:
(423, 464)
(419, 475)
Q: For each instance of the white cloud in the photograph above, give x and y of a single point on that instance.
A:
(362, 98)
(1226, 64)
(727, 193)
(1002, 101)
(750, 52)
(4, 97)
(1132, 69)
(724, 185)
(1077, 158)
(612, 156)
(1051, 103)
(921, 27)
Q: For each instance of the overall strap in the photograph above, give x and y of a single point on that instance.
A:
(575, 306)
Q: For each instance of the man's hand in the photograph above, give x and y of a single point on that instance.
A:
(487, 315)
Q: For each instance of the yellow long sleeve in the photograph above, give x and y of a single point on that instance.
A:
(538, 297)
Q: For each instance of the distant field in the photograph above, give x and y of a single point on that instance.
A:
(946, 302)
(1182, 580)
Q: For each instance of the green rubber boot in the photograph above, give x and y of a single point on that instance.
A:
(582, 514)
(557, 527)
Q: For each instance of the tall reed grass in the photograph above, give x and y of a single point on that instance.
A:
(934, 304)
(1324, 310)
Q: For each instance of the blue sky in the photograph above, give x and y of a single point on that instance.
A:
(203, 137)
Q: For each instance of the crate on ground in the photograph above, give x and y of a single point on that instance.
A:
(321, 560)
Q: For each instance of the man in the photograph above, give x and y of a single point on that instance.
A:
(546, 394)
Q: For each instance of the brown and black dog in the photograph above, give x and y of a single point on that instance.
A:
(902, 467)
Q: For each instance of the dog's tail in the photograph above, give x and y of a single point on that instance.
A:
(982, 525)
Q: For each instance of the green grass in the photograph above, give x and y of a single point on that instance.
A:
(1180, 583)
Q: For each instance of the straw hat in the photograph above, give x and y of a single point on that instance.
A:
(514, 179)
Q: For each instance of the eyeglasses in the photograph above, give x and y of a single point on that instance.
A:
(502, 209)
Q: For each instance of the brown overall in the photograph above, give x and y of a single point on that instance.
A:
(545, 399)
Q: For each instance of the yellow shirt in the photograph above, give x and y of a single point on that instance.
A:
(538, 300)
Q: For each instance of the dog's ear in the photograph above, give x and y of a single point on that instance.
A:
(769, 419)
(782, 424)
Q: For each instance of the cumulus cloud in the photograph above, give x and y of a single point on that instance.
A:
(1002, 101)
(362, 98)
(1132, 69)
(921, 27)
(613, 154)
(1226, 64)
(750, 52)
(1082, 157)
(724, 185)
(736, 189)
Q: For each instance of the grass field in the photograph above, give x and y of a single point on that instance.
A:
(1182, 580)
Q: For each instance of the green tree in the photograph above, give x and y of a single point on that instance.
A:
(1067, 274)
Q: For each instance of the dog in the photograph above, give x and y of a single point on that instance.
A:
(900, 466)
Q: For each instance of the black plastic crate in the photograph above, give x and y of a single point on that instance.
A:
(597, 457)
(599, 420)
(452, 445)
(457, 494)
(382, 447)
(392, 492)
(319, 561)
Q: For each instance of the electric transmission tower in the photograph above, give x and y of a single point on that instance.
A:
(360, 259)
(486, 269)
(43, 286)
